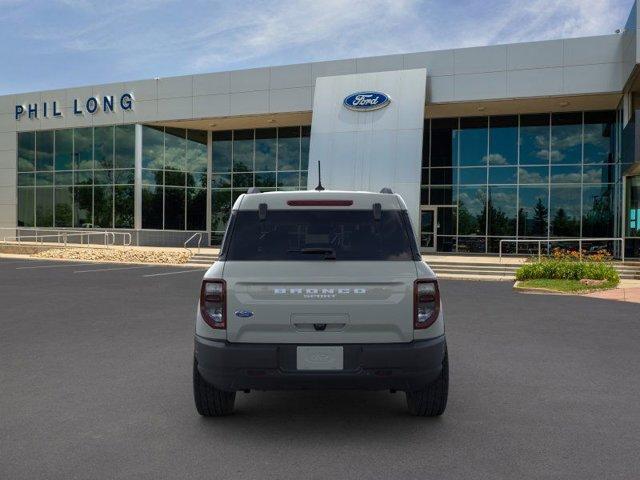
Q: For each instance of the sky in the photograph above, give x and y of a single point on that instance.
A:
(48, 44)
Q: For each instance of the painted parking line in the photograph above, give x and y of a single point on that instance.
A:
(173, 273)
(57, 266)
(117, 268)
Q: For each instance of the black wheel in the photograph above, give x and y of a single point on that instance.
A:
(432, 401)
(210, 402)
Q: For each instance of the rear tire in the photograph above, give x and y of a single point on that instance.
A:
(432, 401)
(210, 401)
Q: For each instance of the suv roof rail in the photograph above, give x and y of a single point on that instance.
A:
(386, 190)
(253, 190)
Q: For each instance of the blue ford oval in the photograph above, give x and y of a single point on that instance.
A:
(366, 101)
(243, 313)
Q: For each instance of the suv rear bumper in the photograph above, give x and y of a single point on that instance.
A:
(241, 366)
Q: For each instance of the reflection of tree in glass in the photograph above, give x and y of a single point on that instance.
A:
(563, 225)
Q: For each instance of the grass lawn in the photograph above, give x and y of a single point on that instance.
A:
(565, 286)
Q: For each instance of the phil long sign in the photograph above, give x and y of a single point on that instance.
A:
(53, 109)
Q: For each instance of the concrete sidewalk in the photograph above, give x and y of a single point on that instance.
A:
(627, 291)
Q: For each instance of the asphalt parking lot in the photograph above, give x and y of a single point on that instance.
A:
(95, 382)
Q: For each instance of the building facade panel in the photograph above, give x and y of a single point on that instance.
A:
(525, 143)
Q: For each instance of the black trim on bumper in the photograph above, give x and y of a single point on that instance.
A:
(397, 366)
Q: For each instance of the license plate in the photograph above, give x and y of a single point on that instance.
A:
(320, 358)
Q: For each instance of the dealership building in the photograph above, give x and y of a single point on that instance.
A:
(519, 142)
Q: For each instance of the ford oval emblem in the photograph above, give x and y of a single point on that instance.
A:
(244, 313)
(366, 101)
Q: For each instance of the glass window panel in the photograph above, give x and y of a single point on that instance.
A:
(424, 177)
(472, 244)
(220, 181)
(304, 147)
(503, 140)
(443, 176)
(44, 179)
(534, 139)
(124, 176)
(26, 151)
(152, 177)
(64, 178)
(64, 206)
(288, 148)
(123, 206)
(243, 150)
(443, 142)
(597, 211)
(424, 195)
(267, 179)
(605, 173)
(103, 207)
(64, 150)
(175, 149)
(44, 207)
(174, 178)
(266, 144)
(125, 151)
(599, 140)
(473, 176)
(197, 151)
(196, 209)
(83, 148)
(501, 208)
(303, 180)
(571, 174)
(83, 177)
(243, 180)
(174, 201)
(564, 211)
(26, 201)
(442, 196)
(102, 177)
(103, 147)
(426, 142)
(221, 145)
(83, 206)
(26, 179)
(447, 221)
(533, 174)
(502, 175)
(566, 138)
(44, 150)
(632, 207)
(152, 207)
(197, 179)
(220, 209)
(533, 212)
(288, 179)
(473, 141)
(472, 210)
(152, 147)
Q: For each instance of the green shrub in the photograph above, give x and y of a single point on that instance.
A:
(567, 270)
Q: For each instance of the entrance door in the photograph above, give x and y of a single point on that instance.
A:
(428, 229)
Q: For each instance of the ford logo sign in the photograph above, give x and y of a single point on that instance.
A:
(366, 101)
(244, 313)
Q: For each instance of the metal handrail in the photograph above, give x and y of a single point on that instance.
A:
(197, 234)
(63, 238)
(548, 241)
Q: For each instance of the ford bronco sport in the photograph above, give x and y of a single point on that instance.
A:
(319, 290)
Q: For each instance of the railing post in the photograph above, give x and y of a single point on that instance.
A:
(539, 250)
(580, 248)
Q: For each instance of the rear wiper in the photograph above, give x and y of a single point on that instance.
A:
(329, 253)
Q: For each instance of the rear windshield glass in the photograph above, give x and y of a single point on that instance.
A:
(320, 235)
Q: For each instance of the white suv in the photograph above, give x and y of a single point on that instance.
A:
(320, 290)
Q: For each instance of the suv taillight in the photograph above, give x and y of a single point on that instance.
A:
(213, 305)
(426, 303)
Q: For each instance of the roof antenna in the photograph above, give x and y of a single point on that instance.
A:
(319, 188)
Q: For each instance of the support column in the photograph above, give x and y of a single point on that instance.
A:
(138, 180)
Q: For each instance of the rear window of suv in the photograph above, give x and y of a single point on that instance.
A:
(319, 235)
